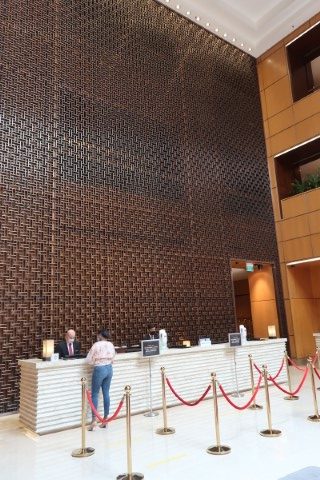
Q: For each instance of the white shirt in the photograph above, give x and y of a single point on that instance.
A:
(101, 353)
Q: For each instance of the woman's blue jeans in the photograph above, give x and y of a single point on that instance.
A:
(101, 378)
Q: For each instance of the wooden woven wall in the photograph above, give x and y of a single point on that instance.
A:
(133, 169)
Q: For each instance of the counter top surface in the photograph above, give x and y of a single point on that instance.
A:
(120, 357)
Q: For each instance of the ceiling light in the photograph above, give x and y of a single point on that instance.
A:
(298, 262)
(241, 45)
(197, 18)
(207, 24)
(297, 146)
(217, 29)
(188, 12)
(249, 49)
(233, 39)
(178, 6)
(225, 35)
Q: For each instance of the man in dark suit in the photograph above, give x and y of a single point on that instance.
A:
(152, 333)
(68, 347)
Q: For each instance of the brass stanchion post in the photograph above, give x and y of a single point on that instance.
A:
(270, 432)
(83, 451)
(130, 475)
(289, 397)
(165, 430)
(254, 405)
(217, 449)
(316, 416)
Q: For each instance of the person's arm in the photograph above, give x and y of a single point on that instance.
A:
(112, 352)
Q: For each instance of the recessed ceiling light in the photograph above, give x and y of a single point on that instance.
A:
(188, 12)
(297, 262)
(178, 6)
(217, 29)
(207, 24)
(241, 45)
(197, 18)
(249, 49)
(233, 39)
(225, 35)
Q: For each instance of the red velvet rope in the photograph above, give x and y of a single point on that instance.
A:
(189, 404)
(257, 368)
(280, 370)
(295, 365)
(278, 373)
(248, 403)
(297, 389)
(96, 413)
(317, 373)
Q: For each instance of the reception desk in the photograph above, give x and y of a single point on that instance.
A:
(50, 392)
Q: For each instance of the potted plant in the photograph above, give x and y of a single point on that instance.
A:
(310, 182)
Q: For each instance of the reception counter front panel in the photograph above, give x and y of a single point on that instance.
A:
(50, 392)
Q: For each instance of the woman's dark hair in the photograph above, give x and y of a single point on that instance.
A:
(104, 333)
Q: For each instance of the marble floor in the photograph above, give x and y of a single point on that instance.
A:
(26, 456)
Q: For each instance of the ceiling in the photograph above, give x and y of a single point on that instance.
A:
(252, 25)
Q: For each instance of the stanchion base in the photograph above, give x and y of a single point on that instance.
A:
(219, 450)
(165, 431)
(133, 476)
(82, 452)
(255, 406)
(270, 433)
(291, 397)
(314, 418)
(151, 414)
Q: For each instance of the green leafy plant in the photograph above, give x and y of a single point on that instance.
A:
(310, 182)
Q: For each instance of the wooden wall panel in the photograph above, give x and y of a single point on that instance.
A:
(305, 316)
(263, 301)
(278, 96)
(297, 249)
(294, 227)
(275, 68)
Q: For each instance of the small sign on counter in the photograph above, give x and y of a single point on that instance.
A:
(235, 339)
(204, 342)
(150, 348)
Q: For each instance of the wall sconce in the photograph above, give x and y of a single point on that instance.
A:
(272, 332)
(47, 349)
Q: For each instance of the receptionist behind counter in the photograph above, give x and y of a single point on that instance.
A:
(69, 347)
(152, 333)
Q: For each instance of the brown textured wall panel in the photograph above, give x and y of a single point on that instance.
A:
(132, 169)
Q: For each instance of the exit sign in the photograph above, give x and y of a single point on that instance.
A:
(249, 267)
